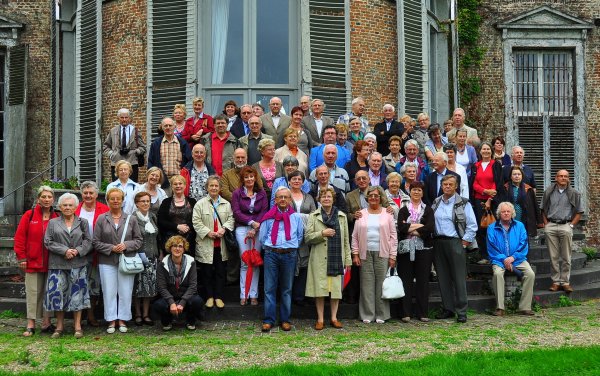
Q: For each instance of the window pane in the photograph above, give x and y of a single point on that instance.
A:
(285, 101)
(227, 41)
(272, 42)
(218, 102)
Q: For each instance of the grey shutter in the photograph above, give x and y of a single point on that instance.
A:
(89, 90)
(562, 145)
(53, 88)
(168, 35)
(17, 68)
(413, 58)
(328, 55)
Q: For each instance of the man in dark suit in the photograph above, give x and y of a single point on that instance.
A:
(517, 160)
(316, 122)
(387, 128)
(240, 127)
(433, 183)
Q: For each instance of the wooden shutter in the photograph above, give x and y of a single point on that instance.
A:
(168, 56)
(328, 55)
(17, 74)
(87, 143)
(54, 93)
(414, 90)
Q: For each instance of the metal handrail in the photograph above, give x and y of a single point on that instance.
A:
(40, 174)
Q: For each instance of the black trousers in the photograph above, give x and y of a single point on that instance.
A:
(134, 174)
(192, 310)
(415, 278)
(299, 287)
(214, 276)
(481, 234)
(352, 291)
(451, 266)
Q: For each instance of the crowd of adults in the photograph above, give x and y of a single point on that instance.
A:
(329, 207)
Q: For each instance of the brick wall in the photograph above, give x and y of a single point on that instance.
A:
(374, 54)
(124, 65)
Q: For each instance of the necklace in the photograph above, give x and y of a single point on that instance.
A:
(120, 215)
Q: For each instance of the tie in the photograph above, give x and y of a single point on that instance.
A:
(124, 138)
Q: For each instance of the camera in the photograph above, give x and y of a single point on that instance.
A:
(124, 151)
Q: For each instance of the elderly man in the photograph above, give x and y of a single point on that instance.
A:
(196, 173)
(315, 123)
(305, 105)
(377, 175)
(250, 141)
(420, 133)
(220, 145)
(458, 120)
(455, 228)
(169, 152)
(433, 184)
(322, 173)
(258, 109)
(230, 181)
(387, 128)
(358, 109)
(517, 156)
(411, 148)
(124, 142)
(507, 247)
(281, 233)
(338, 176)
(241, 127)
(275, 122)
(290, 164)
(561, 211)
(329, 138)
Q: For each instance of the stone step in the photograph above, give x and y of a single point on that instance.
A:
(14, 304)
(12, 289)
(580, 293)
(9, 270)
(7, 253)
(587, 275)
(542, 266)
(474, 287)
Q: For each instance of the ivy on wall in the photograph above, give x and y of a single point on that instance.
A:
(470, 53)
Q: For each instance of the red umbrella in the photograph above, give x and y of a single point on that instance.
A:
(250, 257)
(347, 276)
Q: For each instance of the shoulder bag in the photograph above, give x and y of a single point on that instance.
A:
(129, 264)
(392, 287)
(229, 238)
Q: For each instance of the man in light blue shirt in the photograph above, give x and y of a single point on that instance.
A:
(455, 228)
(281, 233)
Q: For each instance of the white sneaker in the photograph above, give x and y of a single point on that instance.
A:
(380, 321)
(190, 327)
(366, 321)
(166, 328)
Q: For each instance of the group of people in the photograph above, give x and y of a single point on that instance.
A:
(221, 190)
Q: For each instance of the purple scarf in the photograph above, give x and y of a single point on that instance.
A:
(277, 215)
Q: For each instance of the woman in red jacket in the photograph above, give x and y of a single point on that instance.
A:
(32, 257)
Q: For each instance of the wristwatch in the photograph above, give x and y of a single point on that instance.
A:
(571, 225)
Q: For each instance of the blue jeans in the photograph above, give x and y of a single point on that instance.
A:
(279, 271)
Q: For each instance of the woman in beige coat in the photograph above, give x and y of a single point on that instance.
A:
(327, 233)
(211, 253)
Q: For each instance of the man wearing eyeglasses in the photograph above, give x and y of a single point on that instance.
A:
(241, 127)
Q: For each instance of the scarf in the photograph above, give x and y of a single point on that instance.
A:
(148, 227)
(413, 243)
(175, 277)
(277, 216)
(335, 264)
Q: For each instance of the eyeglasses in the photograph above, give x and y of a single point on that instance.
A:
(373, 195)
(361, 178)
(177, 246)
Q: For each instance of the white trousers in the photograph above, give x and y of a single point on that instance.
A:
(240, 234)
(116, 283)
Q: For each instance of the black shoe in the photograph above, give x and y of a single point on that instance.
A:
(445, 314)
(433, 277)
(461, 319)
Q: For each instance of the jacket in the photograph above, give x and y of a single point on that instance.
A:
(29, 240)
(431, 190)
(422, 168)
(167, 227)
(58, 239)
(301, 156)
(339, 202)
(230, 145)
(193, 126)
(269, 127)
(383, 135)
(100, 209)
(154, 155)
(425, 232)
(310, 125)
(353, 202)
(112, 145)
(203, 220)
(388, 244)
(518, 243)
(230, 181)
(531, 217)
(106, 236)
(186, 172)
(187, 288)
(573, 196)
(240, 204)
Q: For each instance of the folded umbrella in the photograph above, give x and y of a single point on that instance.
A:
(252, 258)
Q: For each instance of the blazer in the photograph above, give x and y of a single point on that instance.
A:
(301, 156)
(269, 126)
(230, 181)
(237, 129)
(431, 189)
(58, 239)
(353, 202)
(203, 220)
(243, 141)
(187, 288)
(388, 243)
(310, 125)
(307, 206)
(112, 145)
(154, 159)
(383, 135)
(106, 236)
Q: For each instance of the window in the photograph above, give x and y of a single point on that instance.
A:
(253, 47)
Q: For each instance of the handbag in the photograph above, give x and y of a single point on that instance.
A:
(229, 237)
(392, 287)
(487, 219)
(129, 264)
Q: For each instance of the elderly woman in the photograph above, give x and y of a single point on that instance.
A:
(342, 137)
(359, 160)
(145, 282)
(465, 154)
(212, 217)
(90, 209)
(175, 213)
(409, 174)
(249, 203)
(371, 140)
(176, 282)
(304, 142)
(179, 117)
(499, 146)
(197, 125)
(374, 248)
(124, 183)
(290, 164)
(436, 141)
(291, 148)
(354, 130)
(415, 252)
(450, 150)
(393, 191)
(393, 158)
(115, 234)
(154, 180)
(522, 196)
(232, 111)
(68, 240)
(488, 188)
(268, 168)
(327, 234)
(32, 257)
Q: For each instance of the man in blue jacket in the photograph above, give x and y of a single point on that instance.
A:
(508, 247)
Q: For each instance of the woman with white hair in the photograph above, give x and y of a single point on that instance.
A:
(123, 170)
(68, 240)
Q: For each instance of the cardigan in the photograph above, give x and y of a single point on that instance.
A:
(100, 209)
(388, 245)
(106, 236)
(425, 232)
(241, 207)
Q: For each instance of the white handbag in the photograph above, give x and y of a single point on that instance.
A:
(129, 264)
(392, 286)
